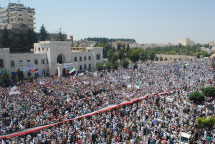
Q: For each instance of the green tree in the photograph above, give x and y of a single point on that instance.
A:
(196, 97)
(43, 33)
(5, 77)
(115, 66)
(114, 57)
(209, 92)
(135, 66)
(143, 56)
(60, 37)
(5, 41)
(133, 55)
(22, 43)
(118, 46)
(100, 66)
(121, 54)
(128, 47)
(206, 122)
(151, 55)
(19, 75)
(108, 65)
(124, 63)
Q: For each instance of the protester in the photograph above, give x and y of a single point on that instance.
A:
(154, 120)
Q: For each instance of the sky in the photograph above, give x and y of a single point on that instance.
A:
(146, 21)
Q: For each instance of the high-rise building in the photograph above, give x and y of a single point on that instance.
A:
(187, 42)
(17, 16)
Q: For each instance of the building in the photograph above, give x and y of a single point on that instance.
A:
(124, 44)
(212, 43)
(164, 58)
(57, 37)
(51, 58)
(187, 42)
(17, 16)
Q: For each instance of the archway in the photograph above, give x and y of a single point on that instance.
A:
(60, 59)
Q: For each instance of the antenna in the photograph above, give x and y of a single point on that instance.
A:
(60, 30)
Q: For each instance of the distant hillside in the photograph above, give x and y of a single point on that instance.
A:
(105, 40)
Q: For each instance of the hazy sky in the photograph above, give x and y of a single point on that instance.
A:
(147, 21)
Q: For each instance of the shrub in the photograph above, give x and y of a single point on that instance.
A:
(209, 92)
(197, 97)
(135, 66)
(124, 63)
(206, 123)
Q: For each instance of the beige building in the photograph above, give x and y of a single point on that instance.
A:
(163, 58)
(187, 42)
(17, 16)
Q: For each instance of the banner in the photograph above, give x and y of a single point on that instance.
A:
(30, 130)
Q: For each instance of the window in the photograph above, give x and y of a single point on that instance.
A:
(80, 59)
(89, 57)
(28, 61)
(20, 14)
(1, 63)
(12, 63)
(85, 58)
(98, 57)
(47, 61)
(85, 67)
(42, 49)
(21, 61)
(75, 59)
(38, 49)
(36, 62)
(80, 67)
(42, 61)
(89, 66)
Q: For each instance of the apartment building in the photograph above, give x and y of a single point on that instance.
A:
(17, 16)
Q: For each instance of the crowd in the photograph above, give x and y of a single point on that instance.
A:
(158, 119)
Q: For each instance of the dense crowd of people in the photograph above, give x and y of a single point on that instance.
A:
(158, 119)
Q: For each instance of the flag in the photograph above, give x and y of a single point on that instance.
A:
(138, 83)
(75, 82)
(32, 70)
(21, 126)
(72, 70)
(68, 98)
(3, 142)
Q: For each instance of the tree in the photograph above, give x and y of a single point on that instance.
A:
(22, 43)
(151, 55)
(121, 54)
(143, 56)
(206, 122)
(5, 41)
(108, 65)
(133, 55)
(135, 66)
(118, 46)
(43, 33)
(5, 77)
(115, 66)
(100, 66)
(114, 57)
(19, 75)
(60, 37)
(128, 47)
(124, 63)
(196, 97)
(209, 92)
